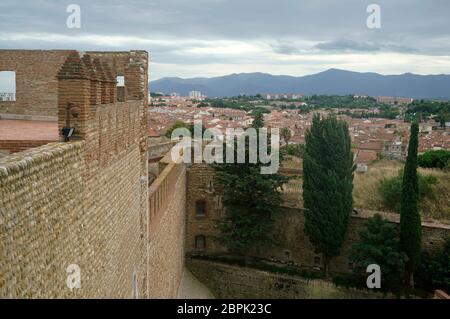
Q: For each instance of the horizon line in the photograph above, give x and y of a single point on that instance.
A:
(299, 76)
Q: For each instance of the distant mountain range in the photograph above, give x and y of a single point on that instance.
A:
(333, 81)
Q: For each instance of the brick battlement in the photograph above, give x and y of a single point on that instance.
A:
(161, 192)
(85, 201)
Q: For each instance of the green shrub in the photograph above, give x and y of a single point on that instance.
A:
(293, 149)
(434, 159)
(180, 124)
(379, 244)
(391, 189)
(434, 272)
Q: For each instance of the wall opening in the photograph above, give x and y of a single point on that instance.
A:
(287, 255)
(317, 261)
(120, 79)
(200, 242)
(7, 86)
(200, 208)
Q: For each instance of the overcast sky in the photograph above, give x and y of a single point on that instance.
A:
(189, 38)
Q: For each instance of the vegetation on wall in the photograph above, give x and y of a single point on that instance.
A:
(327, 185)
(379, 244)
(434, 272)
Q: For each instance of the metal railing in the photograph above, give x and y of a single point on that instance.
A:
(7, 97)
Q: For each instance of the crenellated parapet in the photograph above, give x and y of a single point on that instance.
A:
(84, 200)
(102, 77)
(73, 96)
(96, 80)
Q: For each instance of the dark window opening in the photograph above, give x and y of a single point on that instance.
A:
(200, 242)
(200, 208)
(317, 261)
(287, 254)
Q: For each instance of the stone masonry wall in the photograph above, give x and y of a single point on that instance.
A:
(84, 202)
(15, 146)
(233, 282)
(293, 245)
(56, 212)
(167, 238)
(36, 82)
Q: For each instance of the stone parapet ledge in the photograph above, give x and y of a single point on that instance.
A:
(18, 162)
(395, 218)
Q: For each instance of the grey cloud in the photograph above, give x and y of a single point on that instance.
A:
(408, 26)
(285, 48)
(346, 45)
(232, 19)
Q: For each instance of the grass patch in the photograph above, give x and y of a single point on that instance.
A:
(366, 192)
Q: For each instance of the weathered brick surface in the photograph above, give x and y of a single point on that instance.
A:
(293, 245)
(59, 211)
(167, 234)
(36, 82)
(232, 282)
(20, 145)
(84, 202)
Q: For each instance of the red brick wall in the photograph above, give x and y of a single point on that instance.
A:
(21, 145)
(36, 82)
(85, 202)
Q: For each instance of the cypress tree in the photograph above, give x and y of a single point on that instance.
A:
(410, 221)
(327, 185)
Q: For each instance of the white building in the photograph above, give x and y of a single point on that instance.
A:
(195, 95)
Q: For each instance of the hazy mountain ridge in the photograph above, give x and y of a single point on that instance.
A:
(332, 81)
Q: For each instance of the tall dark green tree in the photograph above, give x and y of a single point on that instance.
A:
(251, 200)
(327, 185)
(410, 221)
